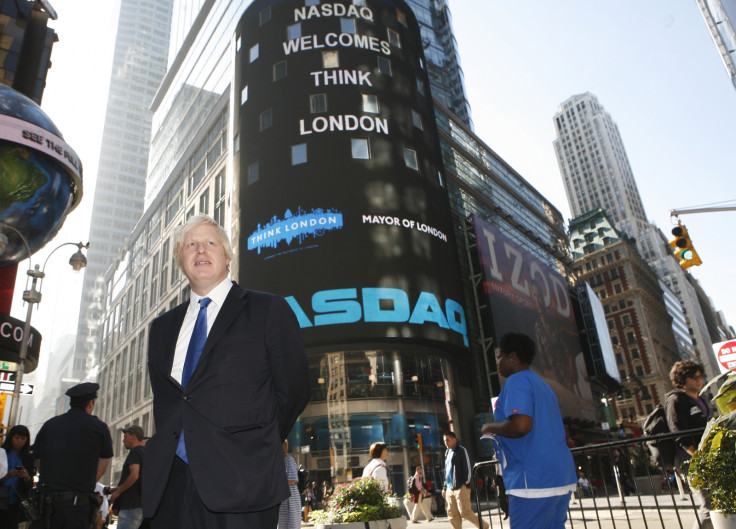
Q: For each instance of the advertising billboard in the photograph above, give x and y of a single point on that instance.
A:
(527, 296)
(342, 198)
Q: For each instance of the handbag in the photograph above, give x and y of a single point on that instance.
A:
(29, 505)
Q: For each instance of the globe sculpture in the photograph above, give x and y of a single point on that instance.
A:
(40, 176)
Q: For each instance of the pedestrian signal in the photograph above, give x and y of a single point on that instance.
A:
(683, 249)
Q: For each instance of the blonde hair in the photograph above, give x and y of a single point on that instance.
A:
(195, 222)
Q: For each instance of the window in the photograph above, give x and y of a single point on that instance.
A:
(279, 70)
(318, 103)
(254, 53)
(401, 17)
(384, 66)
(266, 119)
(410, 158)
(330, 59)
(420, 87)
(244, 95)
(204, 202)
(347, 25)
(393, 38)
(253, 173)
(417, 120)
(360, 148)
(264, 16)
(311, 3)
(294, 31)
(299, 154)
(370, 103)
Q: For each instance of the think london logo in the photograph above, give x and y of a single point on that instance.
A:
(297, 227)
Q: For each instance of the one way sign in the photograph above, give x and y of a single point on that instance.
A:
(8, 387)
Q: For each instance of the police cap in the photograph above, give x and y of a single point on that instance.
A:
(85, 389)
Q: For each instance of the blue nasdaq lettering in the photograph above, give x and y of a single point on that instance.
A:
(385, 305)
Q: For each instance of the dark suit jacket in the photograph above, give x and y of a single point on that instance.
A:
(249, 387)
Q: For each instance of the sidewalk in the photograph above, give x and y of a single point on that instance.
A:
(643, 512)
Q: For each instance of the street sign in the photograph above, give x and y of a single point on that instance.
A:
(7, 376)
(725, 354)
(8, 366)
(8, 387)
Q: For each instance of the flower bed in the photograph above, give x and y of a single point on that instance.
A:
(361, 500)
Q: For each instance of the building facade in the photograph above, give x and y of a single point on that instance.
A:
(720, 17)
(597, 174)
(139, 64)
(634, 304)
(390, 311)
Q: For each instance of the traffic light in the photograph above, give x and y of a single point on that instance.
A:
(683, 249)
(418, 442)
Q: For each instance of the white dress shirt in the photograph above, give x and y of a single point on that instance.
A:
(217, 295)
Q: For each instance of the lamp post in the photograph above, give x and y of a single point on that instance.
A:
(31, 296)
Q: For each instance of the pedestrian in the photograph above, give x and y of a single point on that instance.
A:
(456, 491)
(685, 410)
(538, 469)
(229, 377)
(584, 485)
(622, 466)
(72, 452)
(376, 467)
(17, 479)
(418, 493)
(126, 497)
(308, 505)
(290, 509)
(326, 493)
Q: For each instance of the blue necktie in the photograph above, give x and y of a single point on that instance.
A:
(194, 351)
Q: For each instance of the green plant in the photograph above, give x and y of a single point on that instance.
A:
(361, 500)
(713, 466)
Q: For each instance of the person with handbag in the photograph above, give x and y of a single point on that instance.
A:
(418, 492)
(17, 481)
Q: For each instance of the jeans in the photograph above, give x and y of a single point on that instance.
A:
(130, 518)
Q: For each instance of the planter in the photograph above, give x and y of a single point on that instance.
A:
(409, 506)
(722, 522)
(644, 485)
(394, 523)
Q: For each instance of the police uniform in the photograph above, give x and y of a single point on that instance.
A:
(69, 447)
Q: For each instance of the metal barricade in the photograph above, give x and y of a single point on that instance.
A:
(627, 488)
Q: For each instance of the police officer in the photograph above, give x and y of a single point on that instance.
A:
(72, 452)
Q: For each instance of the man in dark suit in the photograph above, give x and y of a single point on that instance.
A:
(229, 376)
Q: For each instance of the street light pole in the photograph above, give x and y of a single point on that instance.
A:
(31, 296)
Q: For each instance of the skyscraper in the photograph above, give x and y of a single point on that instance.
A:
(139, 64)
(597, 174)
(595, 169)
(720, 17)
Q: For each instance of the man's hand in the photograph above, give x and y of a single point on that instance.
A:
(115, 493)
(443, 493)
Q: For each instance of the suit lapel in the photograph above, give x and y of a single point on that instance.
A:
(234, 303)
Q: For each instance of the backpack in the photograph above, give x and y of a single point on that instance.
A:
(411, 486)
(662, 451)
(302, 480)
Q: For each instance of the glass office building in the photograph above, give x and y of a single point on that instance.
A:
(365, 151)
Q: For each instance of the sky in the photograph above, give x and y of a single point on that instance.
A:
(652, 65)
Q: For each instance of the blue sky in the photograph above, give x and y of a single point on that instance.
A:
(651, 64)
(654, 68)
